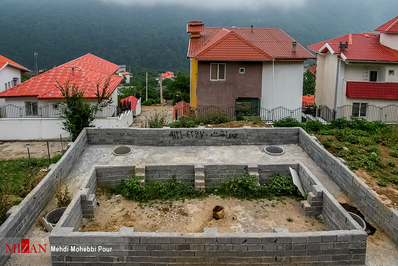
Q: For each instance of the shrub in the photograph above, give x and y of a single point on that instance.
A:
(287, 122)
(283, 186)
(313, 126)
(63, 197)
(241, 187)
(158, 120)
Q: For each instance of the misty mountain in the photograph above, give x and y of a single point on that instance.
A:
(154, 35)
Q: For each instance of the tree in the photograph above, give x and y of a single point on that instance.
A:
(179, 88)
(308, 83)
(77, 111)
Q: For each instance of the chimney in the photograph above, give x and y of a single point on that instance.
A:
(252, 28)
(343, 46)
(195, 28)
(294, 46)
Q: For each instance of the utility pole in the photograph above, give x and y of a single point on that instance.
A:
(161, 92)
(36, 68)
(146, 94)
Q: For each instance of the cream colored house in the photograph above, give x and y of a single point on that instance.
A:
(357, 72)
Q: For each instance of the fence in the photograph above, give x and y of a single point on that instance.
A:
(49, 111)
(386, 114)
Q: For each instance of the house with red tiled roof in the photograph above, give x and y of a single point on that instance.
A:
(358, 70)
(10, 74)
(245, 67)
(88, 72)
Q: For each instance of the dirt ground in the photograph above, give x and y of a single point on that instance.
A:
(193, 215)
(14, 150)
(148, 111)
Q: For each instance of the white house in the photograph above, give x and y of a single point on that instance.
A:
(10, 74)
(358, 71)
(32, 108)
(245, 68)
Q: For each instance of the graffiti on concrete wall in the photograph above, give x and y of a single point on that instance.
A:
(201, 134)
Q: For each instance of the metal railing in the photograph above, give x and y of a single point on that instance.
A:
(386, 114)
(49, 111)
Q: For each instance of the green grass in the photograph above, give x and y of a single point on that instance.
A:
(359, 143)
(17, 178)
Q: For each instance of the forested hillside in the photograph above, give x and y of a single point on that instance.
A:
(155, 36)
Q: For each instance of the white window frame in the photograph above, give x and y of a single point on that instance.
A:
(359, 109)
(30, 109)
(218, 71)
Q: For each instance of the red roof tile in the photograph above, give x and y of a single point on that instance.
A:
(372, 90)
(308, 100)
(313, 69)
(129, 102)
(361, 46)
(5, 61)
(390, 27)
(167, 75)
(244, 44)
(85, 71)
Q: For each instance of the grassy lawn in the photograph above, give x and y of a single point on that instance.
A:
(371, 147)
(17, 178)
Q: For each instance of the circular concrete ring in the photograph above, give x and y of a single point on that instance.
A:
(274, 150)
(53, 216)
(358, 219)
(122, 150)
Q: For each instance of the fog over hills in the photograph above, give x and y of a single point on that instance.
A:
(152, 33)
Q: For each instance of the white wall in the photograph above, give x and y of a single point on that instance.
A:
(389, 40)
(138, 108)
(6, 75)
(325, 84)
(51, 128)
(282, 85)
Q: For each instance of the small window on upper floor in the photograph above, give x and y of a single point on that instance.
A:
(217, 72)
(5, 86)
(242, 70)
(391, 72)
(373, 76)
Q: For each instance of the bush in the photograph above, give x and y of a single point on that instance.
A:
(313, 126)
(241, 187)
(149, 102)
(158, 120)
(287, 122)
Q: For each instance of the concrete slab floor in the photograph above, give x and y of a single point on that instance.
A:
(202, 155)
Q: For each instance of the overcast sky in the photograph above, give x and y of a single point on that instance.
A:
(215, 4)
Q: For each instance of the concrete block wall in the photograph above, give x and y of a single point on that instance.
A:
(210, 247)
(111, 176)
(207, 248)
(370, 206)
(162, 173)
(267, 171)
(24, 215)
(192, 137)
(216, 174)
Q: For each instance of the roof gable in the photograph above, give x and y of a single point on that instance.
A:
(86, 72)
(361, 46)
(267, 43)
(4, 61)
(389, 27)
(232, 47)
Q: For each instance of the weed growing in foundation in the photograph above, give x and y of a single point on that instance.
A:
(244, 187)
(63, 197)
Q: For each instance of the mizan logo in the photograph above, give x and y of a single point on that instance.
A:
(26, 247)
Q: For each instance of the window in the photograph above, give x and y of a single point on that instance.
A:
(391, 72)
(217, 72)
(242, 70)
(373, 76)
(14, 82)
(5, 85)
(31, 108)
(359, 109)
